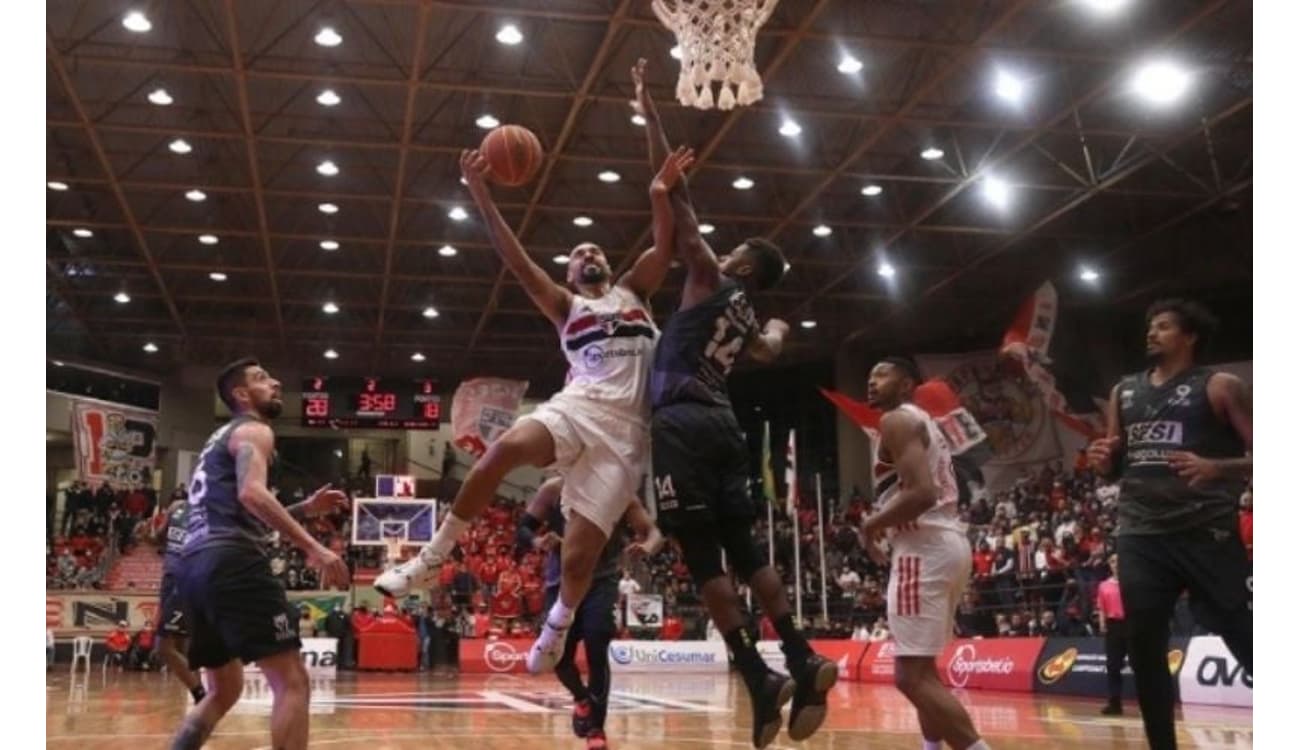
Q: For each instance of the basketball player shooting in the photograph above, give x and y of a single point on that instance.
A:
(916, 493)
(593, 623)
(1178, 438)
(701, 463)
(594, 431)
(238, 609)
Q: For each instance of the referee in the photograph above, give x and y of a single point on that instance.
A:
(1116, 633)
(1179, 439)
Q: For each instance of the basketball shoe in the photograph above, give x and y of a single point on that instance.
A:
(596, 740)
(548, 649)
(766, 702)
(419, 572)
(816, 677)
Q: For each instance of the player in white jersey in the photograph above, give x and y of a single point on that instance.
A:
(596, 430)
(916, 509)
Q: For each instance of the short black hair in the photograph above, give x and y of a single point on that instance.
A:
(1193, 318)
(769, 262)
(907, 365)
(232, 376)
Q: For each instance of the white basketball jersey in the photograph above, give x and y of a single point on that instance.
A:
(609, 343)
(943, 514)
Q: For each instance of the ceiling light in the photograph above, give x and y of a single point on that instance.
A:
(417, 357)
(886, 270)
(1105, 7)
(328, 98)
(208, 239)
(121, 298)
(742, 183)
(821, 230)
(510, 34)
(329, 308)
(609, 176)
(457, 214)
(487, 122)
(932, 153)
(196, 196)
(1089, 275)
(328, 208)
(849, 64)
(137, 22)
(808, 323)
(327, 168)
(676, 52)
(463, 181)
(790, 129)
(329, 245)
(996, 191)
(331, 354)
(160, 97)
(582, 221)
(1008, 86)
(560, 260)
(707, 229)
(1161, 82)
(56, 185)
(217, 276)
(56, 363)
(872, 191)
(328, 37)
(180, 146)
(638, 119)
(150, 347)
(430, 313)
(447, 251)
(83, 232)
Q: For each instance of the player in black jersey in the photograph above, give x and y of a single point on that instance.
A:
(238, 610)
(700, 460)
(593, 621)
(173, 626)
(1178, 438)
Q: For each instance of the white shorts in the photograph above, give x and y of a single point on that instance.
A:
(600, 452)
(929, 571)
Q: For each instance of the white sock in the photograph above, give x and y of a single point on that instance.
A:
(980, 745)
(445, 538)
(931, 744)
(560, 615)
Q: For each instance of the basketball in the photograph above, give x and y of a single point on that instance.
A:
(513, 153)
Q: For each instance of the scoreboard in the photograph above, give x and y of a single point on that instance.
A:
(371, 403)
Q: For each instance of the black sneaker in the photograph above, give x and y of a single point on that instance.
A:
(813, 681)
(775, 692)
(1113, 708)
(582, 718)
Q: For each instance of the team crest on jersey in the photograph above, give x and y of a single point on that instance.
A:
(1125, 399)
(1180, 397)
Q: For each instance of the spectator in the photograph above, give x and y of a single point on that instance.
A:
(141, 655)
(462, 586)
(1047, 624)
(118, 643)
(849, 582)
(972, 621)
(306, 624)
(627, 586)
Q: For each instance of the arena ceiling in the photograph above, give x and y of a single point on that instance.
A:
(1155, 199)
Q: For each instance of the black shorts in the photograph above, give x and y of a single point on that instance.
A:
(1210, 564)
(595, 615)
(172, 619)
(237, 609)
(700, 467)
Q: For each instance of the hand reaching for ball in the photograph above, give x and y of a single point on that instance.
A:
(474, 167)
(672, 170)
(638, 78)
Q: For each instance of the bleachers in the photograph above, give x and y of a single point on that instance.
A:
(141, 568)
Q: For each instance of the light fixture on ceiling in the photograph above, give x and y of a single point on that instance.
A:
(808, 324)
(447, 251)
(821, 230)
(217, 276)
(872, 191)
(609, 176)
(331, 354)
(742, 183)
(208, 239)
(789, 128)
(329, 245)
(56, 185)
(1089, 275)
(121, 298)
(1008, 86)
(329, 308)
(487, 122)
(160, 97)
(457, 214)
(83, 233)
(328, 208)
(328, 98)
(510, 34)
(885, 270)
(707, 229)
(1161, 82)
(582, 221)
(932, 153)
(328, 37)
(196, 196)
(560, 260)
(430, 313)
(638, 119)
(1105, 7)
(327, 168)
(150, 347)
(849, 64)
(417, 357)
(996, 190)
(180, 146)
(137, 22)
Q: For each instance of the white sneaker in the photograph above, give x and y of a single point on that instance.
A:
(419, 572)
(548, 649)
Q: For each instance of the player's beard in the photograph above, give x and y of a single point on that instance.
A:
(592, 273)
(269, 410)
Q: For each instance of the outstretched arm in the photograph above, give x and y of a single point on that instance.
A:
(551, 298)
(648, 273)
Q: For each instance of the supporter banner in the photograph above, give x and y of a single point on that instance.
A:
(320, 605)
(1213, 676)
(668, 656)
(846, 655)
(482, 409)
(389, 485)
(114, 444)
(319, 655)
(993, 664)
(1077, 666)
(645, 611)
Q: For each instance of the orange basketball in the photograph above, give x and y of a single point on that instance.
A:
(513, 153)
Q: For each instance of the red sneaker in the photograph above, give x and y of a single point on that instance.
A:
(581, 719)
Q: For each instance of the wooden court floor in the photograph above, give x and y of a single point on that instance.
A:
(670, 712)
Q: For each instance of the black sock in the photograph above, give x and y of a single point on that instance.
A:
(793, 643)
(198, 692)
(752, 667)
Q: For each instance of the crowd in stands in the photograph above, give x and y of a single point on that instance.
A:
(95, 522)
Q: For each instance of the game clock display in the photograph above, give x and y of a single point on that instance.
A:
(371, 403)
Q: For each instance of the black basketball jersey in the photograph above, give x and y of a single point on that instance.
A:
(1156, 421)
(177, 523)
(216, 516)
(606, 567)
(699, 345)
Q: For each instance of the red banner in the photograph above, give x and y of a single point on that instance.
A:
(877, 664)
(847, 655)
(992, 664)
(501, 656)
(482, 409)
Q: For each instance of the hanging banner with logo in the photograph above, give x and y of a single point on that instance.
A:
(645, 611)
(1212, 676)
(482, 409)
(1077, 666)
(114, 444)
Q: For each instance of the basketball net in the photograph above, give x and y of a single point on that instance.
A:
(392, 551)
(716, 38)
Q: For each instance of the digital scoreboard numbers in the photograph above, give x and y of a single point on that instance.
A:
(371, 403)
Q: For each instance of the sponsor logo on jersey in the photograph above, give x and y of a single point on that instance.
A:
(1155, 433)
